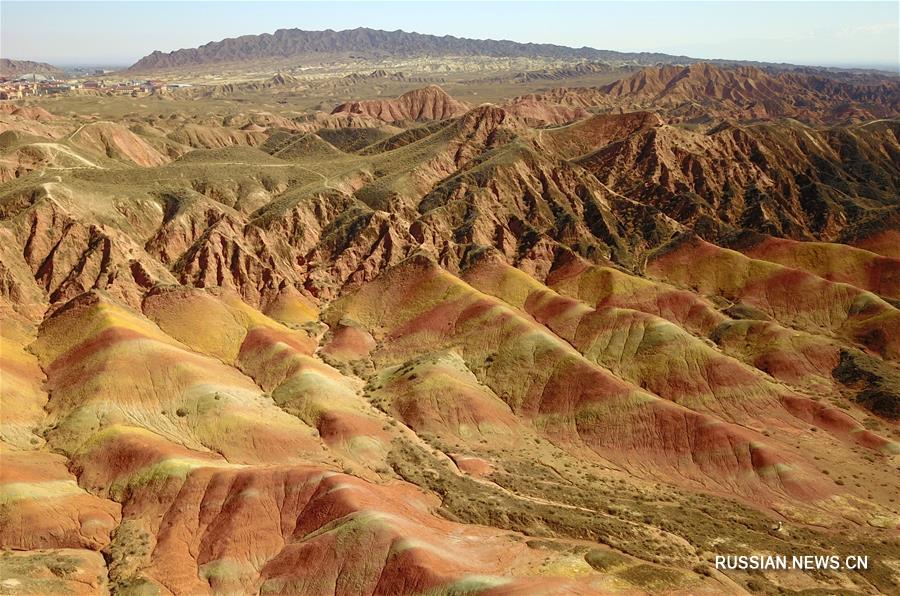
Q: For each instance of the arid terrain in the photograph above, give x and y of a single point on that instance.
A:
(572, 328)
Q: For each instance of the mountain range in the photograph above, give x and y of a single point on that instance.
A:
(12, 68)
(373, 43)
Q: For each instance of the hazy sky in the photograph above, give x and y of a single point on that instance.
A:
(819, 33)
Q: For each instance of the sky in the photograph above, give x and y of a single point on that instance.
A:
(810, 32)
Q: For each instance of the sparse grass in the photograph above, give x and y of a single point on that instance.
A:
(651, 577)
(605, 560)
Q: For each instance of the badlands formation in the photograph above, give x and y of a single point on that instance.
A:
(577, 341)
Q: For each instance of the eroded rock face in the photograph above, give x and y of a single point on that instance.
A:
(702, 91)
(540, 113)
(511, 349)
(429, 103)
(113, 140)
(780, 180)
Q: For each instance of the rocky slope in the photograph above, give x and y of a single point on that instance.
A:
(418, 347)
(706, 91)
(429, 103)
(13, 68)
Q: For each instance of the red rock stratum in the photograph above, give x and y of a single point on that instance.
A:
(574, 342)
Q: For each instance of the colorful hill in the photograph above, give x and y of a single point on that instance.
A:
(576, 341)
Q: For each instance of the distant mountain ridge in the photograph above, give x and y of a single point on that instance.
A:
(290, 43)
(12, 68)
